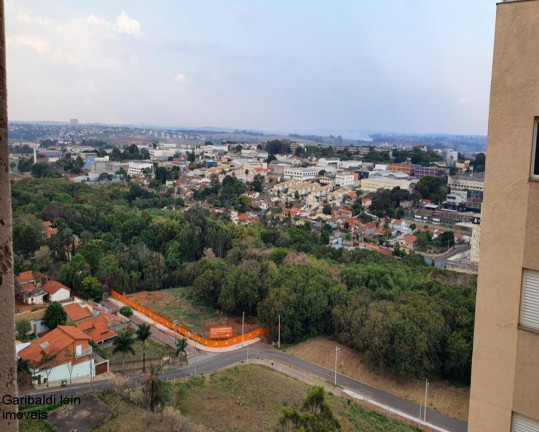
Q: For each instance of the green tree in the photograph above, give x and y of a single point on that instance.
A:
(447, 239)
(26, 238)
(92, 254)
(153, 388)
(181, 353)
(91, 289)
(211, 274)
(23, 327)
(327, 209)
(108, 271)
(144, 331)
(124, 343)
(55, 315)
(243, 203)
(74, 272)
(126, 311)
(43, 258)
(315, 415)
(241, 292)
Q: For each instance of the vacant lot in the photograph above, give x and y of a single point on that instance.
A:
(250, 398)
(153, 350)
(443, 396)
(177, 304)
(246, 398)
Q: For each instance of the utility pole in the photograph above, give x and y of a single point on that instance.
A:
(242, 327)
(426, 392)
(279, 337)
(337, 349)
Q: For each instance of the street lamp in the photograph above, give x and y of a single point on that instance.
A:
(337, 349)
(174, 324)
(279, 337)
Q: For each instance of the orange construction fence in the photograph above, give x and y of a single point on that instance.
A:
(188, 334)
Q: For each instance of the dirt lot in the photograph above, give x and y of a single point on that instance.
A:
(443, 396)
(176, 304)
(91, 412)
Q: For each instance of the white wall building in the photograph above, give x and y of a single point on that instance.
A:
(344, 179)
(137, 167)
(301, 173)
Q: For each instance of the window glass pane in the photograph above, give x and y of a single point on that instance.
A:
(536, 151)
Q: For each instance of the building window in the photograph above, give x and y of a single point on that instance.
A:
(524, 424)
(535, 154)
(529, 301)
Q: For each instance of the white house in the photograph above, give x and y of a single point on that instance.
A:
(69, 356)
(56, 291)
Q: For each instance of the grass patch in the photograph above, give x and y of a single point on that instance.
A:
(251, 397)
(153, 350)
(34, 426)
(370, 421)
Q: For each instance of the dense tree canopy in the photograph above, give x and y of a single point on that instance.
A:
(402, 315)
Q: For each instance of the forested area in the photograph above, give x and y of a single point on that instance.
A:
(402, 315)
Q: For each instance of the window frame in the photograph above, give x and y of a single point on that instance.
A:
(521, 302)
(533, 176)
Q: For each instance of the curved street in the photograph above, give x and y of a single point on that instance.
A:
(259, 351)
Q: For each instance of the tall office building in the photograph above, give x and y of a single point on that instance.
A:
(505, 367)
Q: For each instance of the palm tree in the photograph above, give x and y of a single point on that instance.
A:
(181, 353)
(153, 388)
(143, 332)
(122, 344)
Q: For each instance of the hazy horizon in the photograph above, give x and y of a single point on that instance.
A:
(307, 68)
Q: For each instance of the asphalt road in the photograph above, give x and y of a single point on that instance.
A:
(259, 351)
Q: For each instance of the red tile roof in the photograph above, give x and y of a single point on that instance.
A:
(27, 276)
(52, 343)
(75, 312)
(53, 286)
(96, 328)
(410, 238)
(28, 287)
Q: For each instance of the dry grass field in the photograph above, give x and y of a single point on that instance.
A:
(443, 396)
(250, 398)
(177, 304)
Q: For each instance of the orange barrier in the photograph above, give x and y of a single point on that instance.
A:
(190, 335)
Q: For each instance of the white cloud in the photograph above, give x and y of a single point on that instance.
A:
(24, 18)
(127, 25)
(35, 42)
(95, 20)
(179, 78)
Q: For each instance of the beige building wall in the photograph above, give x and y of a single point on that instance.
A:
(505, 367)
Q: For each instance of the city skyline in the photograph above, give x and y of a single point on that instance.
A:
(306, 68)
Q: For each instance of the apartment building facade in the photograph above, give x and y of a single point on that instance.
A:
(505, 373)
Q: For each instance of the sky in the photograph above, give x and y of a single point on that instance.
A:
(305, 66)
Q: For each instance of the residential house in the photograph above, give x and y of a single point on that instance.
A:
(367, 229)
(75, 312)
(97, 328)
(56, 291)
(31, 291)
(408, 242)
(47, 229)
(36, 321)
(67, 349)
